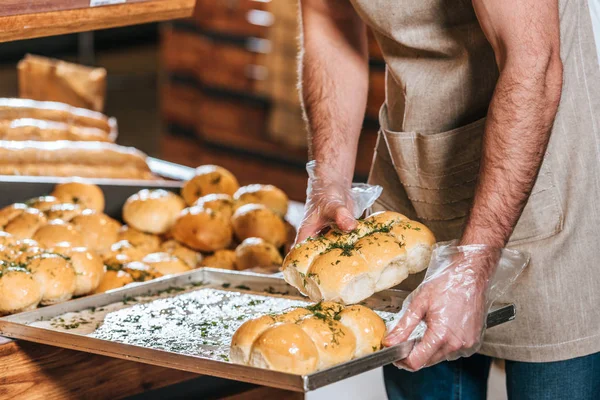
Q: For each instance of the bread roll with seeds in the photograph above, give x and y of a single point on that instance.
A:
(256, 252)
(209, 179)
(85, 195)
(349, 267)
(152, 211)
(267, 195)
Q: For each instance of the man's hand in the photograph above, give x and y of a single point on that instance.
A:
(525, 37)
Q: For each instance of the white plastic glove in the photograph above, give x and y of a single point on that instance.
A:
(453, 301)
(333, 199)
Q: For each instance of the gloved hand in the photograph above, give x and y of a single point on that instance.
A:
(453, 301)
(332, 199)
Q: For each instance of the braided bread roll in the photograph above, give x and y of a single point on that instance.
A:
(305, 340)
(349, 267)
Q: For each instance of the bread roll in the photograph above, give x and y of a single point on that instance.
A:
(190, 257)
(256, 220)
(98, 230)
(66, 158)
(10, 212)
(18, 290)
(85, 195)
(165, 263)
(152, 211)
(52, 111)
(222, 203)
(26, 224)
(113, 280)
(203, 229)
(121, 253)
(64, 212)
(209, 179)
(267, 195)
(256, 252)
(224, 259)
(88, 266)
(303, 340)
(27, 250)
(146, 242)
(141, 272)
(58, 233)
(349, 267)
(55, 276)
(49, 131)
(42, 203)
(6, 239)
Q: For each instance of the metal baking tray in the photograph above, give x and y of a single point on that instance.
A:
(250, 284)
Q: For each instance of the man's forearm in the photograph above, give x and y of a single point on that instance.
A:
(518, 128)
(333, 81)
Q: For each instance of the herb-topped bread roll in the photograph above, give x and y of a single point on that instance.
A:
(190, 257)
(203, 229)
(267, 195)
(99, 231)
(43, 203)
(8, 213)
(349, 267)
(85, 195)
(147, 242)
(165, 263)
(222, 203)
(256, 252)
(18, 290)
(56, 277)
(152, 211)
(305, 340)
(224, 259)
(64, 212)
(209, 179)
(58, 233)
(88, 266)
(256, 220)
(26, 223)
(121, 253)
(113, 279)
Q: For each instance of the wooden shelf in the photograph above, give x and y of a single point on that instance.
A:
(29, 19)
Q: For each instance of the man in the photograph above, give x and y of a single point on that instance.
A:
(489, 135)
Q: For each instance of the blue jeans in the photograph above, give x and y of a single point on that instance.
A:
(466, 378)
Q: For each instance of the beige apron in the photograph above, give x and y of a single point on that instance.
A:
(441, 74)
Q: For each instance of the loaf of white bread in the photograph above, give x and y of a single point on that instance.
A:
(349, 267)
(304, 340)
(68, 158)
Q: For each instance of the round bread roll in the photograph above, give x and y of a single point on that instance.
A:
(368, 328)
(27, 250)
(64, 212)
(209, 179)
(6, 239)
(256, 220)
(386, 257)
(335, 343)
(56, 277)
(418, 241)
(256, 252)
(42, 203)
(141, 272)
(113, 280)
(121, 253)
(58, 233)
(244, 337)
(85, 195)
(267, 195)
(271, 350)
(26, 224)
(296, 263)
(165, 263)
(88, 266)
(202, 229)
(9, 213)
(152, 211)
(190, 257)
(98, 230)
(146, 242)
(224, 259)
(18, 290)
(348, 282)
(219, 202)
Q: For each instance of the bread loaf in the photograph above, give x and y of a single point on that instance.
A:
(304, 340)
(66, 158)
(349, 267)
(49, 131)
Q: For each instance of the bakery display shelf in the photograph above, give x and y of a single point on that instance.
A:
(26, 19)
(272, 288)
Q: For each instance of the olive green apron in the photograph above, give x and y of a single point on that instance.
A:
(441, 74)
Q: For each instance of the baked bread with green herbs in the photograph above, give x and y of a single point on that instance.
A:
(349, 267)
